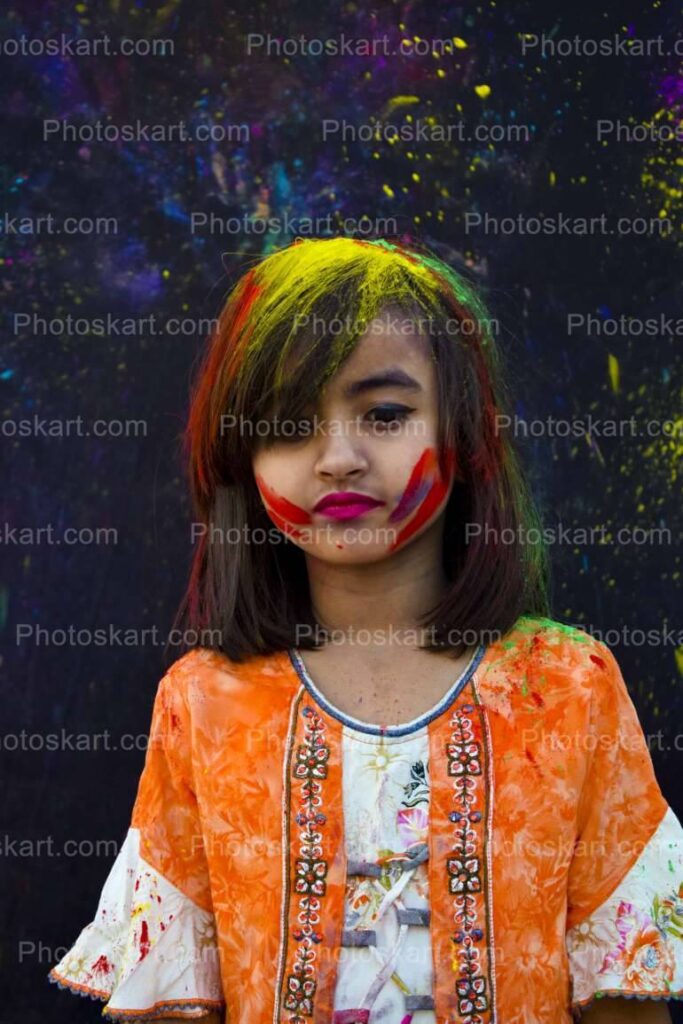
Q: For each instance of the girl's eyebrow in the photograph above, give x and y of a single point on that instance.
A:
(392, 377)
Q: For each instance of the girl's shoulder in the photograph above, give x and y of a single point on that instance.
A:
(539, 648)
(557, 679)
(208, 670)
(544, 638)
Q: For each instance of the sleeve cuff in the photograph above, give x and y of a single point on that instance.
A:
(149, 951)
(632, 945)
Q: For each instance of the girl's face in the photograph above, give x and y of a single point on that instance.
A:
(359, 480)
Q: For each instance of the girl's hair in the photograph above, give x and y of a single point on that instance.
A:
(286, 327)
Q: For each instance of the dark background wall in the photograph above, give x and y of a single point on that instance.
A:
(162, 256)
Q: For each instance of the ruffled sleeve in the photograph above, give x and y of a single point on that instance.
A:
(624, 932)
(151, 949)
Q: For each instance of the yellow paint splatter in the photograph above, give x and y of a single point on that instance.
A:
(460, 44)
(594, 446)
(666, 451)
(482, 91)
(401, 101)
(388, 191)
(613, 370)
(679, 659)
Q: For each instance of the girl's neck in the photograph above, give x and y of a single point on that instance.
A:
(381, 596)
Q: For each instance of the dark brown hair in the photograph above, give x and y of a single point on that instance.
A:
(247, 598)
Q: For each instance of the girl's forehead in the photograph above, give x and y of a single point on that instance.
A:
(384, 359)
(386, 341)
(329, 353)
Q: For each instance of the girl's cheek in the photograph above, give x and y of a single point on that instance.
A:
(423, 477)
(289, 517)
(423, 494)
(280, 506)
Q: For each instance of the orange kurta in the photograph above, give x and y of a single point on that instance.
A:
(555, 864)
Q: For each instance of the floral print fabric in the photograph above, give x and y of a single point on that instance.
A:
(553, 869)
(149, 949)
(631, 943)
(386, 814)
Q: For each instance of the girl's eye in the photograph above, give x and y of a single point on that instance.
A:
(303, 429)
(390, 413)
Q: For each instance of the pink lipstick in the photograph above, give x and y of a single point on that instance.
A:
(346, 505)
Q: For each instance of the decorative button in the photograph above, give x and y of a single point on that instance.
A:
(364, 867)
(413, 915)
(359, 937)
(419, 1003)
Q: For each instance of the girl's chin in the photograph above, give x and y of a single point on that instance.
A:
(348, 551)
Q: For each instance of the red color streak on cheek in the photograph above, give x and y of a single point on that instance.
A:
(281, 506)
(283, 525)
(415, 488)
(426, 509)
(432, 501)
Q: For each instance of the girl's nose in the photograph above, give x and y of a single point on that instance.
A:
(340, 452)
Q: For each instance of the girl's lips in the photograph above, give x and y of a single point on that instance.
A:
(347, 511)
(348, 508)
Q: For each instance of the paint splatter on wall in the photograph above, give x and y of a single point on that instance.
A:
(471, 127)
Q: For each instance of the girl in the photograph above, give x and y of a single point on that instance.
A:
(385, 786)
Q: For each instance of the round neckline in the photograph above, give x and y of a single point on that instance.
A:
(373, 728)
